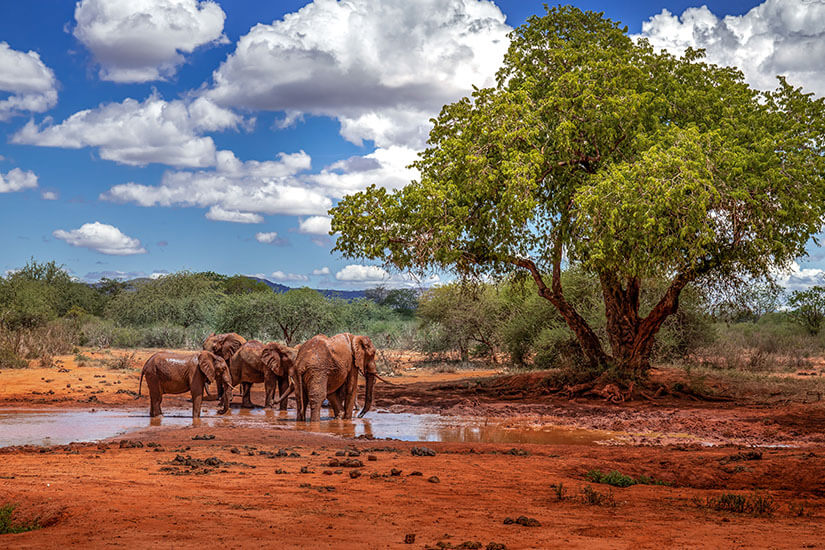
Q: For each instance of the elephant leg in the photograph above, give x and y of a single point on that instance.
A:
(351, 387)
(246, 389)
(283, 384)
(317, 394)
(334, 404)
(155, 399)
(300, 398)
(269, 389)
(197, 398)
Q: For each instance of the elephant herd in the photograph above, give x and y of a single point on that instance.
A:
(321, 368)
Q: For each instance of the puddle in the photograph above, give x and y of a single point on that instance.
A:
(49, 427)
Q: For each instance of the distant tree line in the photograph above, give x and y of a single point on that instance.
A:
(44, 311)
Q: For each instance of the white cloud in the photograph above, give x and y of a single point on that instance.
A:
(218, 214)
(269, 187)
(139, 133)
(371, 275)
(49, 196)
(101, 237)
(798, 278)
(315, 225)
(17, 180)
(282, 277)
(384, 167)
(268, 238)
(94, 276)
(381, 68)
(31, 85)
(362, 273)
(777, 37)
(321, 271)
(143, 40)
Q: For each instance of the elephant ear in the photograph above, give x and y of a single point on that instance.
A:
(363, 351)
(206, 364)
(230, 345)
(272, 356)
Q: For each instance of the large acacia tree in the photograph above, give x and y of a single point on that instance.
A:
(596, 150)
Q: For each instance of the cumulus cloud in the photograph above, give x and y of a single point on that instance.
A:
(104, 238)
(255, 187)
(370, 275)
(140, 41)
(321, 271)
(381, 68)
(31, 85)
(282, 277)
(17, 180)
(49, 196)
(218, 214)
(362, 273)
(777, 37)
(138, 133)
(798, 278)
(271, 238)
(385, 167)
(315, 225)
(266, 238)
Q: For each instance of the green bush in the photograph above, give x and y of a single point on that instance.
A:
(10, 360)
(9, 526)
(618, 479)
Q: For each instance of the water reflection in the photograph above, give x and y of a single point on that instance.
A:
(48, 427)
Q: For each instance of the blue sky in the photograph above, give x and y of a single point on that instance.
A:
(148, 137)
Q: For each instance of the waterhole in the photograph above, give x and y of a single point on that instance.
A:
(56, 427)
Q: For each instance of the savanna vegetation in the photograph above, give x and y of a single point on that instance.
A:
(44, 312)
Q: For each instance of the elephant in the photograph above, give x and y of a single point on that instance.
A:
(255, 362)
(224, 345)
(328, 368)
(168, 372)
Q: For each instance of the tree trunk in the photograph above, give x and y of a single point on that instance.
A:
(631, 336)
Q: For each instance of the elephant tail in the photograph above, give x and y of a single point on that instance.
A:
(140, 385)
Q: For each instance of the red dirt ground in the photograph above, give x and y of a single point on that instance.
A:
(102, 495)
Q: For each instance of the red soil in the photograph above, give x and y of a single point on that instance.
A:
(92, 495)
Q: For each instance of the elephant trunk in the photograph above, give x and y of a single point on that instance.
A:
(368, 396)
(226, 398)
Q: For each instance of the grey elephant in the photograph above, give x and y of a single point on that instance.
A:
(168, 372)
(328, 368)
(255, 362)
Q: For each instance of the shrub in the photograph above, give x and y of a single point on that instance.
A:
(755, 504)
(618, 479)
(8, 525)
(10, 360)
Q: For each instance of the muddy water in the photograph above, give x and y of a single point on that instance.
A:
(49, 427)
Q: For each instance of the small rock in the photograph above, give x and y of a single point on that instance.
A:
(305, 470)
(327, 472)
(416, 473)
(372, 458)
(235, 451)
(422, 451)
(434, 479)
(355, 474)
(395, 472)
(409, 539)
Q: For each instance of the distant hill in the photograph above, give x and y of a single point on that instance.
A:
(328, 292)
